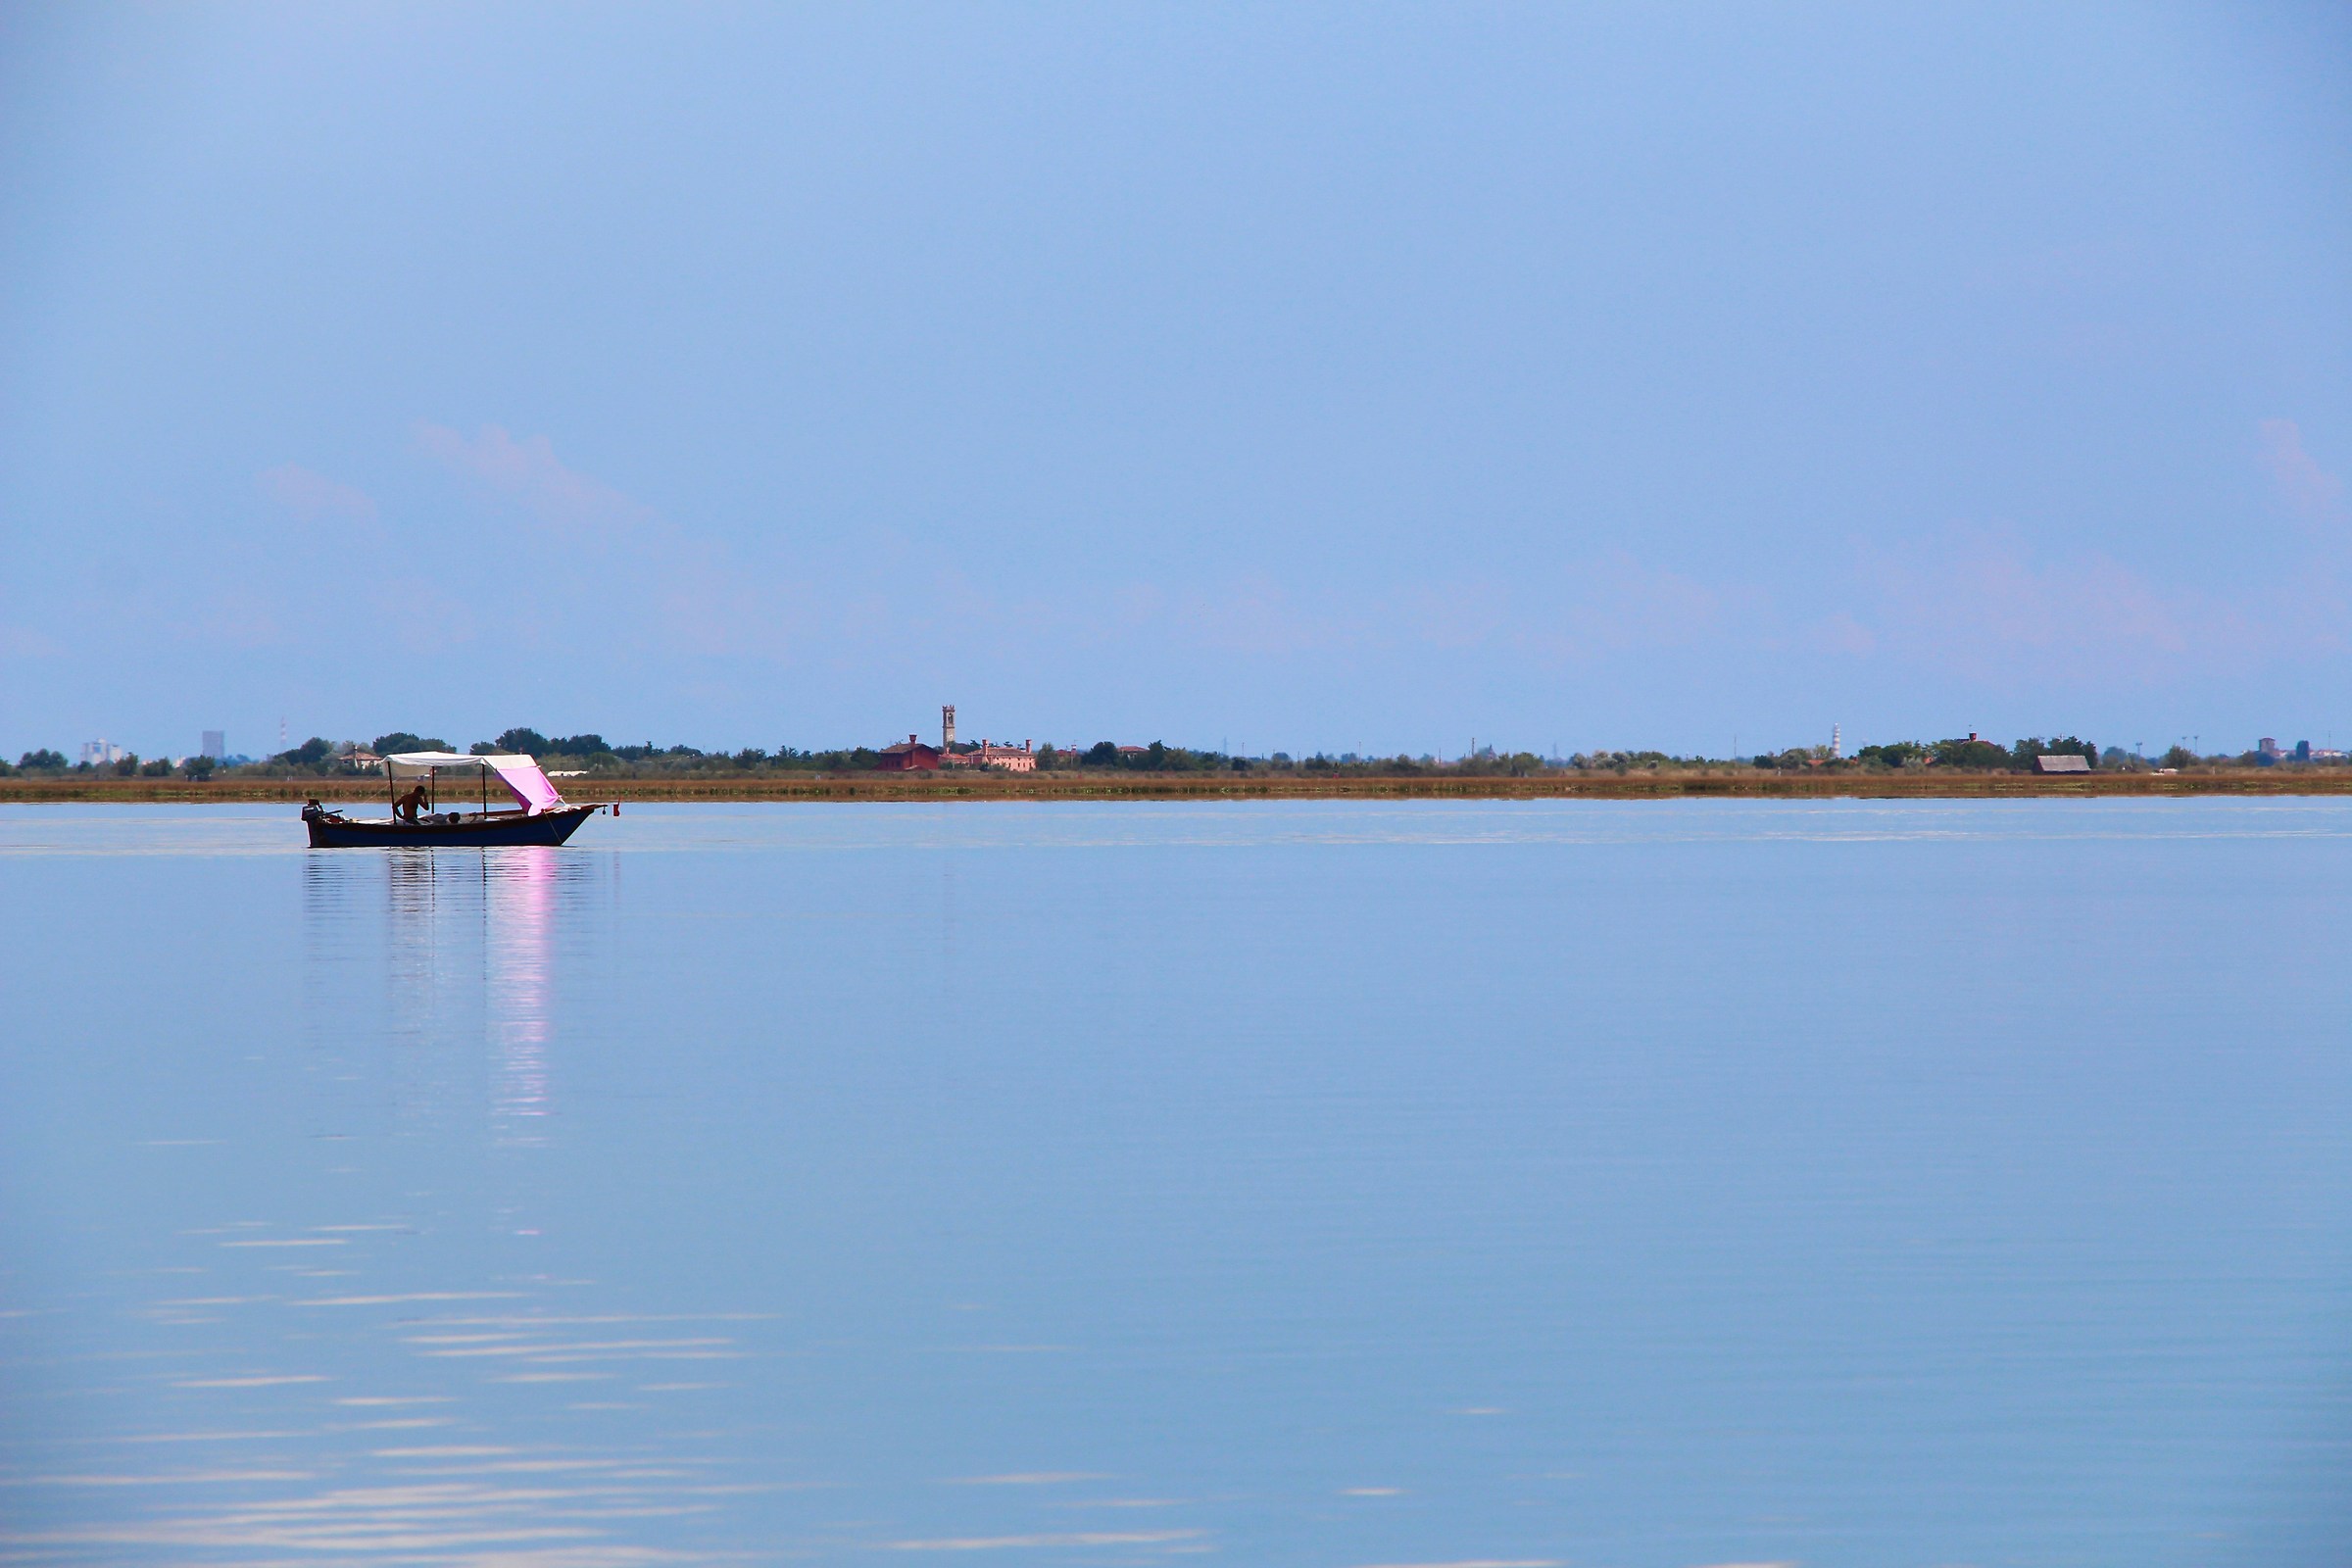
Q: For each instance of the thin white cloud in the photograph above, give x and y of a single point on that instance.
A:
(1604, 605)
(1841, 633)
(2304, 488)
(528, 473)
(1985, 606)
(1088, 1538)
(312, 497)
(655, 586)
(1617, 603)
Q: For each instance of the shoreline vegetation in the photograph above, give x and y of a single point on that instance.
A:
(1728, 782)
(593, 770)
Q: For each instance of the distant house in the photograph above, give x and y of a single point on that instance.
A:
(1021, 759)
(2063, 763)
(909, 756)
(1013, 759)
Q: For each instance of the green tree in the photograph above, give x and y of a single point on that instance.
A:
(1976, 754)
(523, 738)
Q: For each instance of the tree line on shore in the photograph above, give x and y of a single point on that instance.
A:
(591, 752)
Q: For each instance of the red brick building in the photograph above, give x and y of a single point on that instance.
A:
(909, 756)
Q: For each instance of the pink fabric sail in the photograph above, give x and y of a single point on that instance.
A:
(522, 778)
(520, 775)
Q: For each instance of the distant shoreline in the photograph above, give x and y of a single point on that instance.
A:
(966, 786)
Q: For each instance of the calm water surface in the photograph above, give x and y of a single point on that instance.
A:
(1646, 1184)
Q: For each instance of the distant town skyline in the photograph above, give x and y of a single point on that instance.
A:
(1299, 379)
(953, 751)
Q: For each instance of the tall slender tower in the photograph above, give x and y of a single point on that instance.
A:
(946, 726)
(1836, 741)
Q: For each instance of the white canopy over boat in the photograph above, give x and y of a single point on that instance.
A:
(531, 788)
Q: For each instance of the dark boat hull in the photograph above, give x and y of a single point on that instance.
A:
(332, 832)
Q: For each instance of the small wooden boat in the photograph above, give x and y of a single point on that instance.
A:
(423, 817)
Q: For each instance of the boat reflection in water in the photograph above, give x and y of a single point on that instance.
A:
(461, 976)
(522, 892)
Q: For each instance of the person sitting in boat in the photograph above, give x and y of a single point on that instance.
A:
(407, 807)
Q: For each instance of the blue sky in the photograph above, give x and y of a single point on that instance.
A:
(1356, 378)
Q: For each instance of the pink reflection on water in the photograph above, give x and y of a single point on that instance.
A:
(521, 897)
